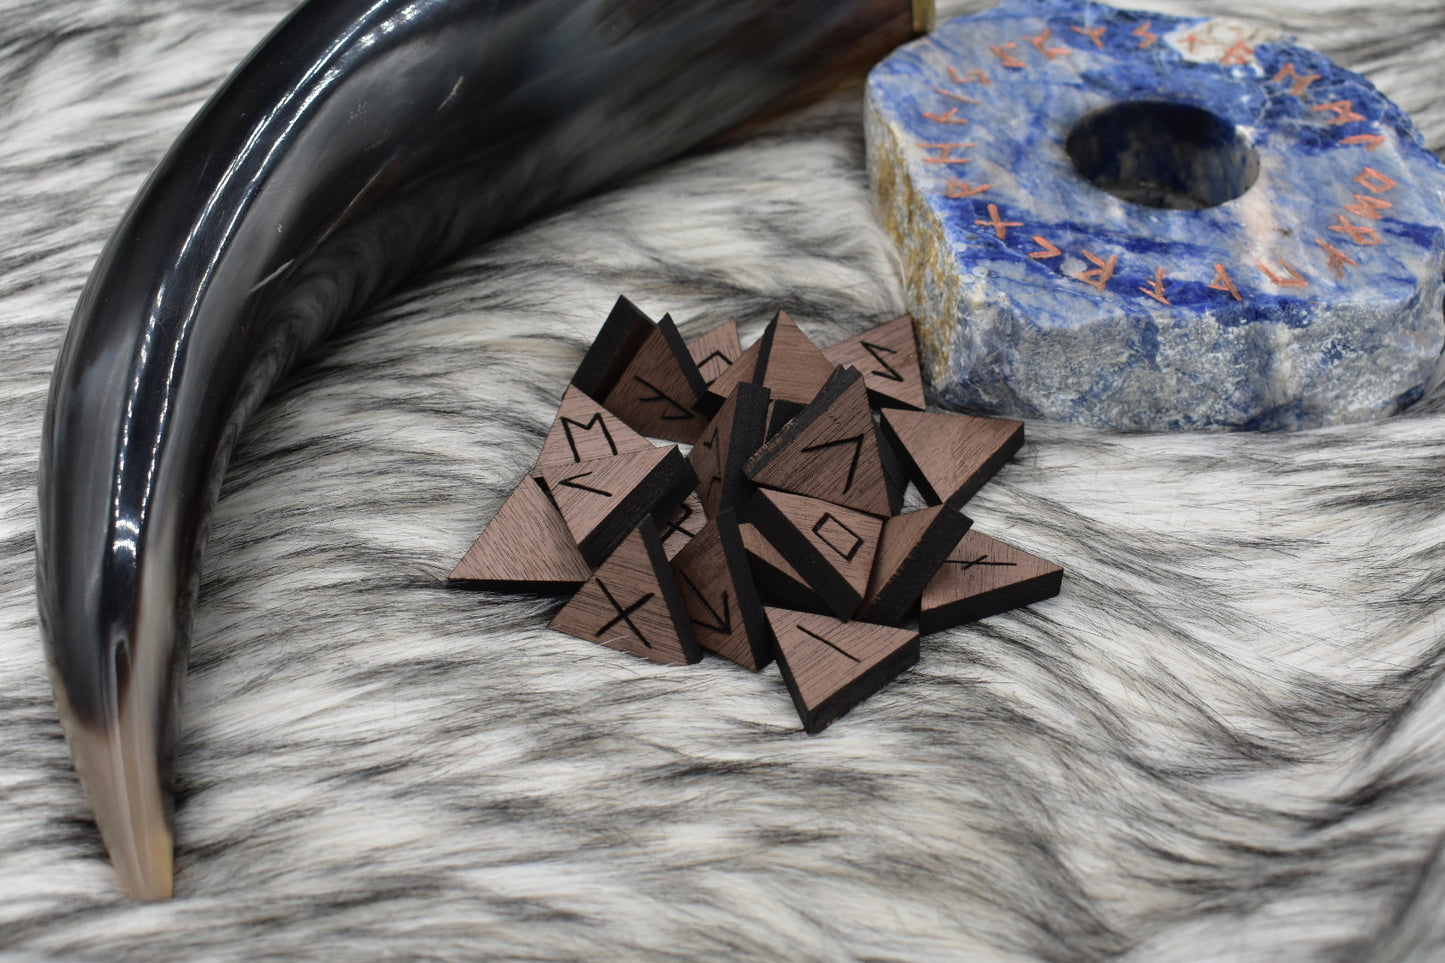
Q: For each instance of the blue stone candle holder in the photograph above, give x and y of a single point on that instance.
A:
(1150, 222)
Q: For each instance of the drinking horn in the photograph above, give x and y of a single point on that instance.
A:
(361, 142)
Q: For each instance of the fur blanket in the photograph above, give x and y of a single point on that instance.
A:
(1224, 741)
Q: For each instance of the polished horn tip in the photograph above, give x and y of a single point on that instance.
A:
(121, 771)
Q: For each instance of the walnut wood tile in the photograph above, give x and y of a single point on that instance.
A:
(888, 357)
(829, 545)
(722, 449)
(790, 364)
(622, 336)
(632, 603)
(830, 666)
(682, 526)
(951, 456)
(984, 576)
(778, 583)
(829, 450)
(525, 548)
(910, 552)
(722, 602)
(715, 351)
(584, 430)
(603, 499)
(743, 370)
(659, 387)
(895, 475)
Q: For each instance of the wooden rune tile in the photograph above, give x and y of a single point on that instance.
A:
(790, 364)
(830, 546)
(722, 602)
(831, 666)
(888, 357)
(603, 499)
(910, 552)
(951, 456)
(621, 337)
(525, 548)
(658, 388)
(895, 476)
(715, 351)
(778, 583)
(632, 603)
(829, 450)
(584, 430)
(682, 526)
(743, 370)
(984, 576)
(725, 445)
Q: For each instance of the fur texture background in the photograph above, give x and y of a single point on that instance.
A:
(1224, 741)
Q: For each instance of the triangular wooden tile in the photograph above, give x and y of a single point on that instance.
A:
(715, 351)
(743, 370)
(632, 603)
(830, 546)
(894, 474)
(717, 588)
(951, 456)
(725, 445)
(831, 666)
(888, 357)
(829, 450)
(603, 499)
(984, 576)
(683, 526)
(525, 548)
(790, 365)
(584, 430)
(910, 552)
(622, 336)
(658, 388)
(777, 581)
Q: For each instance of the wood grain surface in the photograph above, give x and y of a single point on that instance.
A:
(830, 665)
(950, 456)
(659, 387)
(829, 450)
(526, 547)
(910, 552)
(715, 351)
(632, 603)
(726, 444)
(778, 583)
(722, 602)
(584, 430)
(888, 357)
(603, 499)
(984, 576)
(829, 545)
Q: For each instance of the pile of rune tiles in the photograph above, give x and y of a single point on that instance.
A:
(779, 535)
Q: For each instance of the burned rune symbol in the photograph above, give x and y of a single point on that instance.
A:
(716, 478)
(856, 441)
(674, 527)
(624, 615)
(823, 523)
(568, 424)
(675, 410)
(981, 560)
(721, 624)
(888, 370)
(719, 356)
(574, 483)
(830, 645)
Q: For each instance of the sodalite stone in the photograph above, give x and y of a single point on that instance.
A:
(1314, 297)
